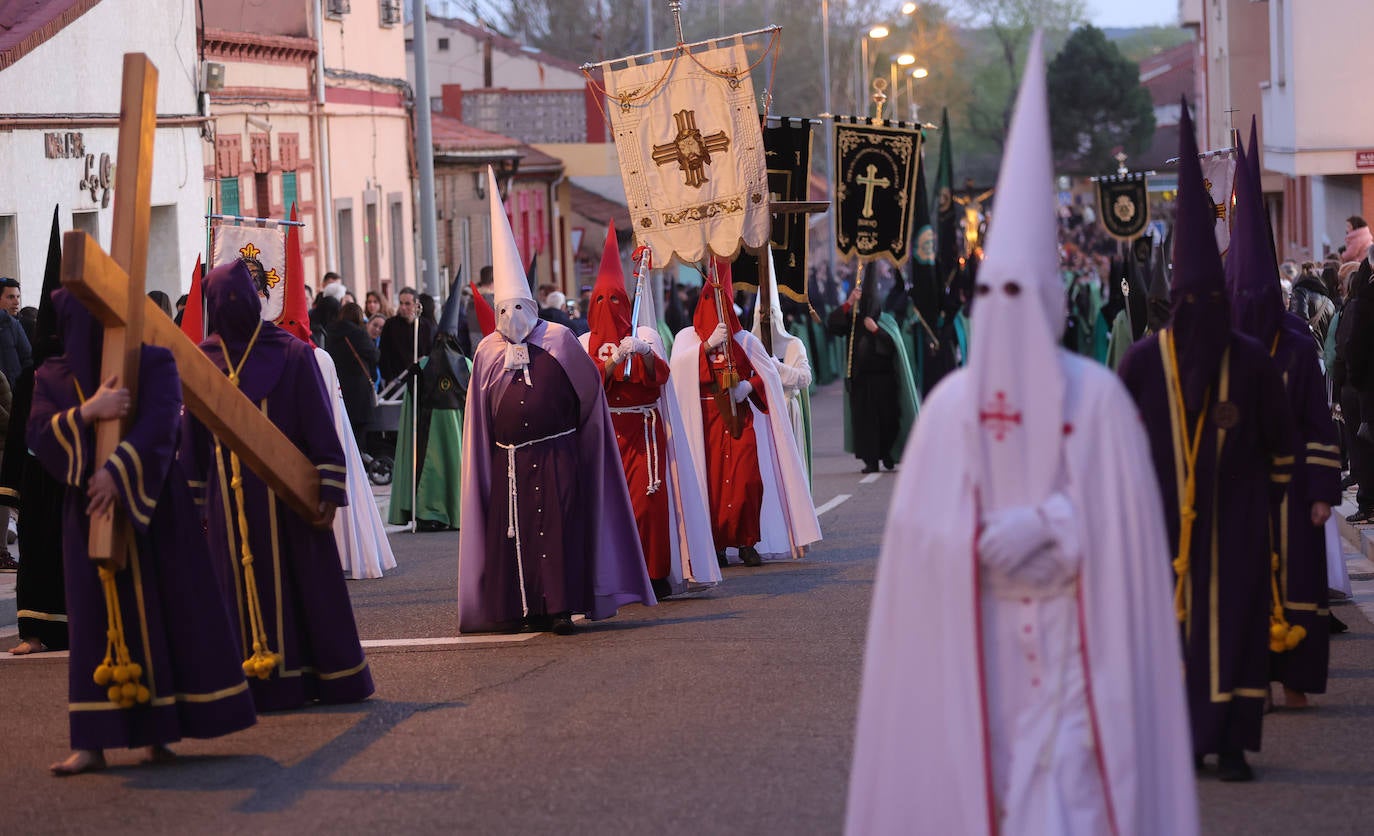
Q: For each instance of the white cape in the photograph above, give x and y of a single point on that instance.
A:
(921, 758)
(789, 521)
(687, 505)
(364, 549)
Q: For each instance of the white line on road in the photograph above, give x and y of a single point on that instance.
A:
(870, 479)
(832, 504)
(452, 640)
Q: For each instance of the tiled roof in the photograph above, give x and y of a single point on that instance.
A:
(25, 24)
(594, 207)
(453, 138)
(507, 45)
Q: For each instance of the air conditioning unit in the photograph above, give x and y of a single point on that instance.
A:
(336, 8)
(390, 11)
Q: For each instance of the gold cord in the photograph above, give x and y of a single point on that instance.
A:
(1187, 502)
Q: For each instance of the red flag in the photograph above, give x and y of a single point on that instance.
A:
(295, 311)
(193, 316)
(486, 317)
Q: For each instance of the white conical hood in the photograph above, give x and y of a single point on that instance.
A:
(516, 311)
(780, 334)
(1019, 313)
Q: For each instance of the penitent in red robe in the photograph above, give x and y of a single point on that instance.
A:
(732, 464)
(641, 437)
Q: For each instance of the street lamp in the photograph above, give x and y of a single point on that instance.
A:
(876, 33)
(908, 9)
(906, 59)
(918, 73)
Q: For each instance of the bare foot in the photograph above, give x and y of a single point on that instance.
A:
(27, 646)
(82, 760)
(1295, 699)
(159, 754)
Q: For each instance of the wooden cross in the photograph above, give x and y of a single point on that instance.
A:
(870, 182)
(111, 287)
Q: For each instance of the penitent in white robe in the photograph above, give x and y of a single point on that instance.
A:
(988, 707)
(364, 549)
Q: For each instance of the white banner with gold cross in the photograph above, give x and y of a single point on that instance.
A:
(267, 244)
(687, 132)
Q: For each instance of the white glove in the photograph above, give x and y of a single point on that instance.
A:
(741, 391)
(1034, 545)
(617, 355)
(718, 337)
(634, 345)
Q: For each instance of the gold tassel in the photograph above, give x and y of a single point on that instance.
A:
(119, 674)
(1283, 636)
(262, 660)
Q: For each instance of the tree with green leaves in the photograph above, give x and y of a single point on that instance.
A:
(1097, 104)
(997, 74)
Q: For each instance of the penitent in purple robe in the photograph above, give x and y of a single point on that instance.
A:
(175, 625)
(1316, 478)
(1243, 469)
(308, 617)
(577, 541)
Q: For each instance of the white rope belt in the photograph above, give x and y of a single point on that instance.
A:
(513, 506)
(650, 414)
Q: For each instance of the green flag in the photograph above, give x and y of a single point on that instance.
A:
(946, 210)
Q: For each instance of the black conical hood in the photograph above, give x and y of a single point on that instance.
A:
(45, 340)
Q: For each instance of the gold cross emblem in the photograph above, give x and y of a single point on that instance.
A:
(869, 182)
(249, 251)
(689, 149)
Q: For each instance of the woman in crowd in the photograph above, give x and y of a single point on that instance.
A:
(355, 358)
(1358, 238)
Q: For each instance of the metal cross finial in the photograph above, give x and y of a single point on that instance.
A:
(879, 97)
(675, 6)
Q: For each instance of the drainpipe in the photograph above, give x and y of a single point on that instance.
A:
(322, 175)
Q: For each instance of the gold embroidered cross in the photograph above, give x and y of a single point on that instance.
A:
(869, 182)
(689, 149)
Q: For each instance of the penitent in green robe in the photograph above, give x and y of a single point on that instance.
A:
(439, 496)
(908, 401)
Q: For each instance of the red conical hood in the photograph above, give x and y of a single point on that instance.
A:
(706, 316)
(609, 313)
(295, 312)
(193, 317)
(486, 315)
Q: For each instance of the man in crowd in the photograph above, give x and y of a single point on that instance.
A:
(399, 347)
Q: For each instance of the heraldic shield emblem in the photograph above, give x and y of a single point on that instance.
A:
(1124, 205)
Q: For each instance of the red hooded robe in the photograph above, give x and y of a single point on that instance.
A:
(639, 429)
(732, 464)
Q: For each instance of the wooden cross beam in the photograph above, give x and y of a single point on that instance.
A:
(112, 288)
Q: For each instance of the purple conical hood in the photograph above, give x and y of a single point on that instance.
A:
(1201, 320)
(1252, 274)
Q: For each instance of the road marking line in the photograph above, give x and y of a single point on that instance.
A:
(500, 638)
(870, 479)
(832, 504)
(50, 654)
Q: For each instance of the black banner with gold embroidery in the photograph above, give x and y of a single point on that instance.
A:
(875, 181)
(787, 150)
(1124, 205)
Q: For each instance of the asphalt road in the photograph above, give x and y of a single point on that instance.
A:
(728, 712)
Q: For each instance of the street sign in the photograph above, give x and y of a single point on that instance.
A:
(1365, 158)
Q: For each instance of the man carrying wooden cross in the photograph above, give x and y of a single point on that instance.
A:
(293, 617)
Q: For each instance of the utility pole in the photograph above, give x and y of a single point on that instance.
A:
(424, 155)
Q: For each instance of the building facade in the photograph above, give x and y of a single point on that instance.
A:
(60, 71)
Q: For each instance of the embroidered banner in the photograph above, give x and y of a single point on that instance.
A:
(1219, 176)
(691, 152)
(1123, 205)
(267, 244)
(787, 149)
(875, 181)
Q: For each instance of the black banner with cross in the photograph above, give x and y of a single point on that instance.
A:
(1123, 204)
(875, 181)
(787, 150)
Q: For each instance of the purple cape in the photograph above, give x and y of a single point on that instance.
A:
(608, 545)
